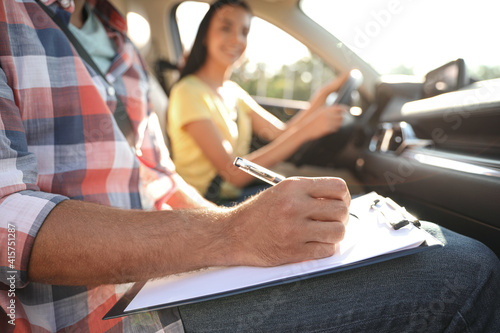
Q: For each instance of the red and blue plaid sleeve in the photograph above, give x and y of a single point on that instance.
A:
(23, 207)
(59, 140)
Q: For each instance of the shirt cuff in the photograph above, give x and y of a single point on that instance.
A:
(23, 214)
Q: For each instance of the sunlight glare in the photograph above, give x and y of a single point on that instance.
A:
(139, 30)
(420, 35)
(272, 46)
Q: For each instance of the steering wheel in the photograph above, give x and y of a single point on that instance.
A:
(318, 151)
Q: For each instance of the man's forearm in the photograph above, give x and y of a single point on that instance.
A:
(88, 244)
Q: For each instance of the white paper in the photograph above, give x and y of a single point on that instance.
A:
(368, 237)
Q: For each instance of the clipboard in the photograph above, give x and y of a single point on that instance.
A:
(352, 252)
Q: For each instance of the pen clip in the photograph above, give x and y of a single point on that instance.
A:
(258, 171)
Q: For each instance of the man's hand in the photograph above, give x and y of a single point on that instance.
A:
(296, 220)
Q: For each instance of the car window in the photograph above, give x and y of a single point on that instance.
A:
(284, 70)
(413, 37)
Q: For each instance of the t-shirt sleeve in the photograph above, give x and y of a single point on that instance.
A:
(23, 207)
(188, 103)
(246, 103)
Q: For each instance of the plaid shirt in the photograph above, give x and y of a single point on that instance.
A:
(59, 140)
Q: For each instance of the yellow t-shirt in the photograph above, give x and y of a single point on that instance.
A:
(191, 100)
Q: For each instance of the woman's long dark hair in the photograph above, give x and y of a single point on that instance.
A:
(198, 53)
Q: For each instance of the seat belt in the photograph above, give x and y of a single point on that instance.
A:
(120, 114)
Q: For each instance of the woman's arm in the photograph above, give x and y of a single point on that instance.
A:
(319, 98)
(285, 139)
(219, 151)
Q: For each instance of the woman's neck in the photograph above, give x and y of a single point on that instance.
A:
(214, 75)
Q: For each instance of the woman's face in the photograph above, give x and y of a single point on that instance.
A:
(227, 35)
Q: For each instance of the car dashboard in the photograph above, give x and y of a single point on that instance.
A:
(439, 156)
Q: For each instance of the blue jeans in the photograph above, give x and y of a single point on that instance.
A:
(453, 289)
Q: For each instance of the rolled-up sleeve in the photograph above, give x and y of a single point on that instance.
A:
(23, 207)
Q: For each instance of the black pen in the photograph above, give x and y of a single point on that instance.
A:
(262, 173)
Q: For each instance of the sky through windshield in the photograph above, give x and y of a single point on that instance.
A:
(413, 35)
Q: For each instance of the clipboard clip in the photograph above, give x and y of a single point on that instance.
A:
(395, 223)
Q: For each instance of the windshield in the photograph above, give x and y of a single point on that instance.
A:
(414, 37)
